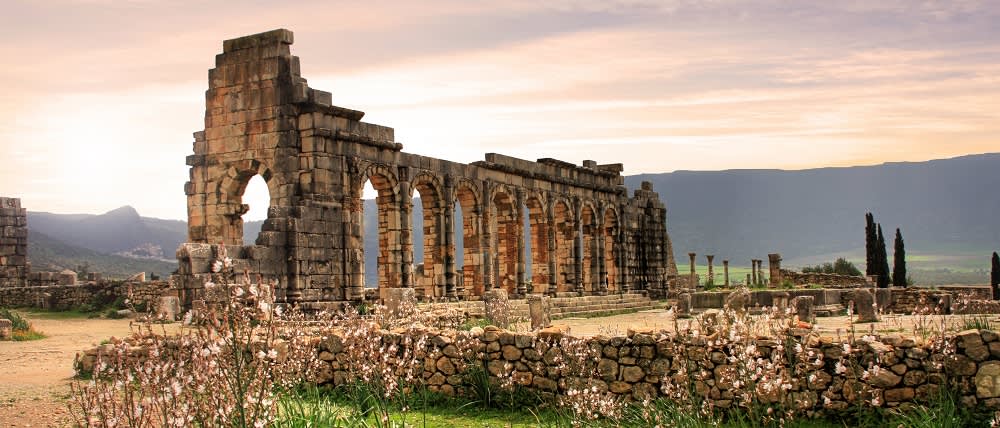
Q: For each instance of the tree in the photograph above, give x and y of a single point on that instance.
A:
(995, 276)
(870, 240)
(881, 260)
(843, 267)
(899, 262)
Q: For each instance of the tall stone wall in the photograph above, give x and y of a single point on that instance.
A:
(13, 243)
(262, 118)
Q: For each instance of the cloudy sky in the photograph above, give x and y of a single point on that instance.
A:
(100, 97)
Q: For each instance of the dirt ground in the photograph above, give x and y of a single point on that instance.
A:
(35, 375)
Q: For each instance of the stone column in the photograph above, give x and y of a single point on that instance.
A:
(551, 242)
(406, 237)
(691, 278)
(521, 287)
(486, 237)
(754, 272)
(577, 247)
(711, 270)
(539, 310)
(725, 272)
(774, 263)
(748, 283)
(601, 250)
(450, 289)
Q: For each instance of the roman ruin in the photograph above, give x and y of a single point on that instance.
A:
(13, 243)
(262, 118)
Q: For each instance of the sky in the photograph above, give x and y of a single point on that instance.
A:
(100, 97)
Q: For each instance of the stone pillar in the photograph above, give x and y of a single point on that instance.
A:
(577, 247)
(725, 272)
(14, 244)
(711, 270)
(450, 289)
(521, 287)
(684, 305)
(406, 237)
(753, 272)
(748, 283)
(539, 309)
(601, 250)
(550, 239)
(691, 278)
(486, 238)
(774, 264)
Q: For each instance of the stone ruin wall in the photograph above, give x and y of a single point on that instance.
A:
(66, 297)
(829, 280)
(13, 243)
(263, 119)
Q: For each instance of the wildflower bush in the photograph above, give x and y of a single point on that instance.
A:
(226, 369)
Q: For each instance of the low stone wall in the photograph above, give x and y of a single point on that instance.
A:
(827, 280)
(63, 297)
(828, 376)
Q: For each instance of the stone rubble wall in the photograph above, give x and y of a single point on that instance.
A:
(13, 243)
(65, 297)
(827, 280)
(642, 364)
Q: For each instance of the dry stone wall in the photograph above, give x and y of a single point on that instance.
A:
(827, 280)
(262, 119)
(13, 243)
(64, 297)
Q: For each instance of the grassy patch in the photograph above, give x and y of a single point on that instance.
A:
(21, 329)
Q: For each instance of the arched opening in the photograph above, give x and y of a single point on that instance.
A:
(467, 236)
(610, 250)
(256, 198)
(429, 269)
(565, 276)
(588, 247)
(380, 233)
(508, 230)
(537, 245)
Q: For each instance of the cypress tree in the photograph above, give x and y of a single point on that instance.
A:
(882, 260)
(899, 262)
(995, 276)
(869, 244)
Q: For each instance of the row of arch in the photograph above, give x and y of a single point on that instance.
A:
(576, 242)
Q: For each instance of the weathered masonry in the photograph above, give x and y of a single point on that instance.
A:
(261, 118)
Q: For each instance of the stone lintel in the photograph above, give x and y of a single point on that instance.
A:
(280, 35)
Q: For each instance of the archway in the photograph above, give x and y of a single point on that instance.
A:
(256, 198)
(468, 233)
(429, 279)
(382, 267)
(508, 232)
(565, 275)
(588, 247)
(538, 255)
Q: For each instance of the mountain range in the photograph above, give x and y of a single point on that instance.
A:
(946, 210)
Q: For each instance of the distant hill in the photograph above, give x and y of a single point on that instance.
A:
(49, 254)
(947, 210)
(120, 231)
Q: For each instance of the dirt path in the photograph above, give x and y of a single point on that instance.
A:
(35, 375)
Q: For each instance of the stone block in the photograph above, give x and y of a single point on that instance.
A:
(539, 309)
(168, 308)
(803, 306)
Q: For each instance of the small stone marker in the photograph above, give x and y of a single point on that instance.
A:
(168, 308)
(864, 305)
(6, 329)
(539, 308)
(400, 302)
(804, 308)
(497, 309)
(683, 305)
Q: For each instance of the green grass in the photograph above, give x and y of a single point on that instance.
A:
(736, 273)
(58, 315)
(21, 329)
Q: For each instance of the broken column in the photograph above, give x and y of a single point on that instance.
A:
(711, 270)
(725, 272)
(13, 243)
(539, 310)
(864, 305)
(748, 283)
(683, 308)
(753, 271)
(774, 265)
(692, 282)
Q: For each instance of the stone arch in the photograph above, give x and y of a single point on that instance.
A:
(507, 224)
(565, 233)
(431, 281)
(611, 271)
(229, 192)
(468, 196)
(538, 223)
(389, 258)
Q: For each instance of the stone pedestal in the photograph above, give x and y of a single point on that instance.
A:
(539, 309)
(400, 302)
(497, 307)
(804, 308)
